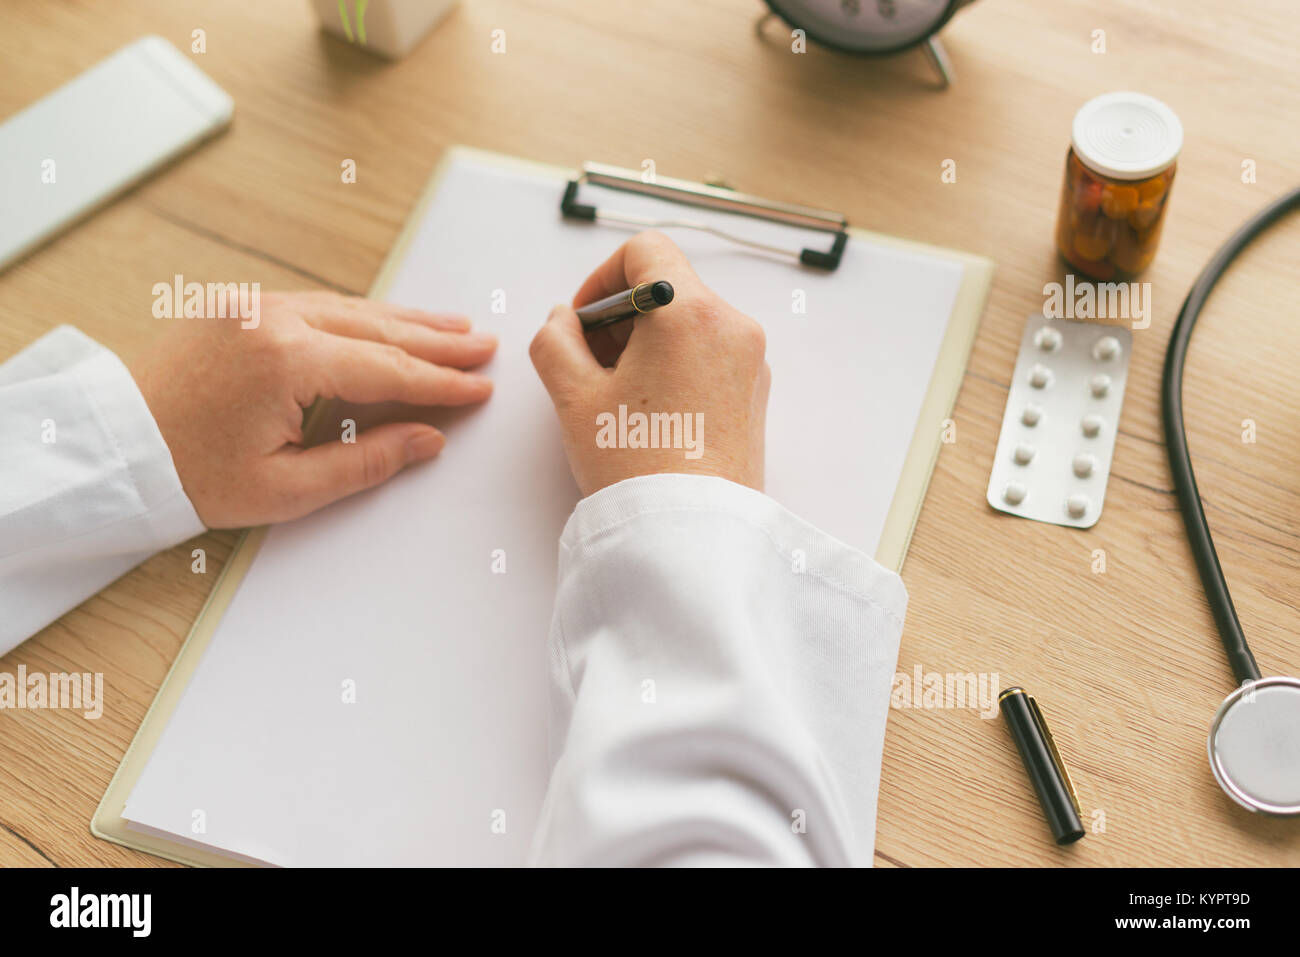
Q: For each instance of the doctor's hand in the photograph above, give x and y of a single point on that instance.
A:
(229, 400)
(694, 369)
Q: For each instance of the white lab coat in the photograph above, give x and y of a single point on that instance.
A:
(720, 670)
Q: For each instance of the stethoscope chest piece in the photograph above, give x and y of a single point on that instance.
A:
(1255, 745)
(1255, 739)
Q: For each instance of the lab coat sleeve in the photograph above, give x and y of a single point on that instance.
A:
(87, 486)
(720, 679)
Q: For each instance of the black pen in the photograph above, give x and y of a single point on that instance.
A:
(1047, 771)
(624, 305)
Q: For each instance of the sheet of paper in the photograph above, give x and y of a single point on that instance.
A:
(391, 596)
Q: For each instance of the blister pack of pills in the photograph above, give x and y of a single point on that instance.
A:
(1058, 430)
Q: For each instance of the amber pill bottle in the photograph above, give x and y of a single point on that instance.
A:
(1118, 174)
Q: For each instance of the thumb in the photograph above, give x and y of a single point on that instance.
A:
(560, 353)
(313, 478)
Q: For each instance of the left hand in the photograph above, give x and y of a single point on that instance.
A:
(229, 400)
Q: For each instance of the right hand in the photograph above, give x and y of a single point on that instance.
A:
(695, 355)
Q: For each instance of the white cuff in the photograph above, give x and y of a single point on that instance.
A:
(87, 485)
(798, 541)
(169, 511)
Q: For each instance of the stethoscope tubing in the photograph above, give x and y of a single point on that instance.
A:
(1240, 658)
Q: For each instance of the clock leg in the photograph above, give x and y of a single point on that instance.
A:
(938, 57)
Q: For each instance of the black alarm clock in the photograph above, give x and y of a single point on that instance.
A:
(872, 27)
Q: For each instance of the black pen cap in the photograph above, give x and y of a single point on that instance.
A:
(1047, 772)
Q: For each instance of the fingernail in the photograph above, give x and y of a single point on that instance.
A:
(425, 444)
(482, 339)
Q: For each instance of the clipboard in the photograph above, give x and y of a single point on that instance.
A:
(918, 463)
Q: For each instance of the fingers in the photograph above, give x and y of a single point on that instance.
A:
(430, 337)
(308, 479)
(561, 356)
(607, 342)
(359, 370)
(646, 257)
(462, 350)
(446, 321)
(312, 304)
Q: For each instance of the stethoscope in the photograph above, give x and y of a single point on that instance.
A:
(1254, 742)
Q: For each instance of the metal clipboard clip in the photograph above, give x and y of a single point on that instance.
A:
(709, 197)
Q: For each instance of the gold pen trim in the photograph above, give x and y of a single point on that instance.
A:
(636, 289)
(1056, 754)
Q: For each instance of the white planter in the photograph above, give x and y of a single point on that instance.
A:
(389, 28)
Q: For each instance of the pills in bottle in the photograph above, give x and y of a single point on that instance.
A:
(1118, 174)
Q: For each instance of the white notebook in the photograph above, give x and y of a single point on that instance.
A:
(253, 751)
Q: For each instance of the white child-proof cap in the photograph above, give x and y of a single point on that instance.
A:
(1126, 135)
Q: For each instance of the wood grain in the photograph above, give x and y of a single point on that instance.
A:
(1126, 663)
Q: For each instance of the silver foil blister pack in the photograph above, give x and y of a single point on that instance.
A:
(1058, 430)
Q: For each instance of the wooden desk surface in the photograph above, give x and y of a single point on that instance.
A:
(1126, 663)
